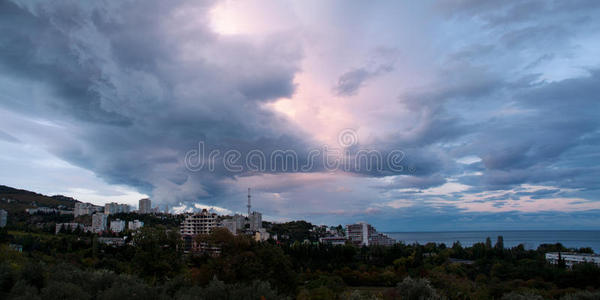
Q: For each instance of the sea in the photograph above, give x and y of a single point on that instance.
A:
(530, 239)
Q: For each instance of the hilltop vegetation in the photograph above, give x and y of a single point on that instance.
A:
(16, 200)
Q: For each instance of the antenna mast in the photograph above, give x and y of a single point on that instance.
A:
(249, 202)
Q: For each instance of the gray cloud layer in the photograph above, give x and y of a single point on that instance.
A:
(133, 87)
(137, 91)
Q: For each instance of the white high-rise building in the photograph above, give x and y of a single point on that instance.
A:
(359, 233)
(110, 208)
(248, 225)
(201, 223)
(3, 217)
(365, 234)
(196, 224)
(255, 220)
(241, 224)
(239, 220)
(98, 222)
(115, 208)
(82, 209)
(235, 224)
(230, 225)
(145, 206)
(79, 209)
(117, 225)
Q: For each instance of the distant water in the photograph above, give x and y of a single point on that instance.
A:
(529, 239)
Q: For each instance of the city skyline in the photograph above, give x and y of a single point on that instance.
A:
(480, 115)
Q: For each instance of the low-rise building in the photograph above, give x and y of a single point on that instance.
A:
(135, 225)
(41, 210)
(117, 225)
(48, 210)
(333, 240)
(3, 217)
(261, 235)
(381, 239)
(111, 241)
(572, 258)
(335, 231)
(69, 227)
(16, 247)
(82, 209)
(8, 200)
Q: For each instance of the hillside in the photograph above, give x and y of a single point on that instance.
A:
(16, 200)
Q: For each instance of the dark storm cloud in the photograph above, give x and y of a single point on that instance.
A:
(34, 49)
(351, 81)
(540, 139)
(134, 108)
(537, 147)
(543, 147)
(114, 74)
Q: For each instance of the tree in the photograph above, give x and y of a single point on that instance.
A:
(586, 250)
(157, 253)
(7, 278)
(415, 289)
(33, 274)
(499, 243)
(458, 251)
(63, 291)
(583, 295)
(561, 262)
(523, 296)
(22, 290)
(219, 290)
(129, 287)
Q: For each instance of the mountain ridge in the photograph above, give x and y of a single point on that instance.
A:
(17, 200)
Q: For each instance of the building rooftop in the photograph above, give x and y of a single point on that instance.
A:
(575, 253)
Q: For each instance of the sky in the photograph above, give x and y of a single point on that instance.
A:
(409, 115)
